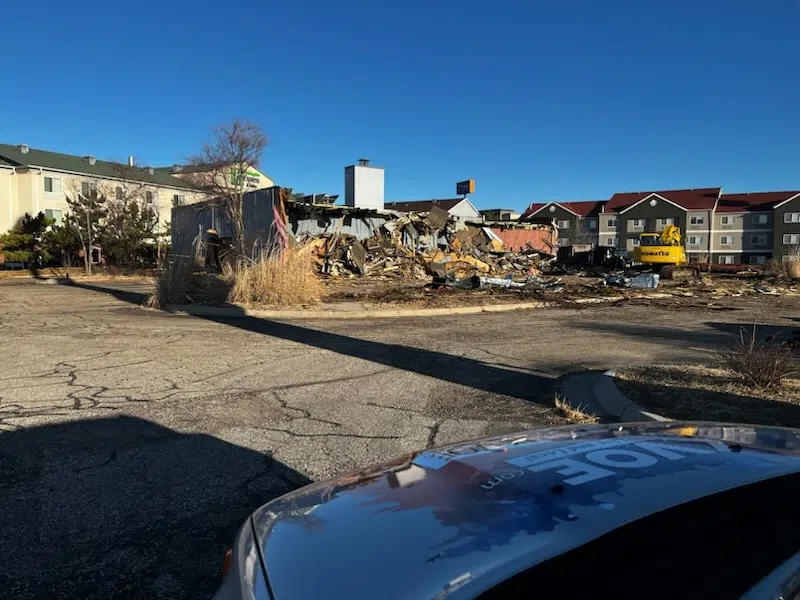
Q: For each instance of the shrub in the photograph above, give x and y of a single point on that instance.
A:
(792, 263)
(762, 365)
(286, 279)
(774, 268)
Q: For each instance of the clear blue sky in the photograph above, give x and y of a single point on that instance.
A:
(534, 99)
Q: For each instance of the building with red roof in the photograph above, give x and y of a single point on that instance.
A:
(720, 228)
(577, 222)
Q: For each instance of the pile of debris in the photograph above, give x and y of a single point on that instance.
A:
(425, 246)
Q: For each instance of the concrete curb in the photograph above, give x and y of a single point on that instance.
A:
(238, 312)
(202, 310)
(597, 393)
(601, 299)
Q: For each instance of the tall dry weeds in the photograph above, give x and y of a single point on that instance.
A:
(275, 281)
(762, 365)
(278, 279)
(792, 263)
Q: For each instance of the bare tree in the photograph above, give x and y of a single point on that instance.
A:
(220, 169)
(578, 234)
(86, 216)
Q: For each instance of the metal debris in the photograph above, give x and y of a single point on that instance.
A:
(422, 247)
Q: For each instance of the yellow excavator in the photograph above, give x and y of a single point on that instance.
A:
(664, 253)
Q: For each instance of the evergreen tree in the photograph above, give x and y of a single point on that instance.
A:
(23, 243)
(128, 226)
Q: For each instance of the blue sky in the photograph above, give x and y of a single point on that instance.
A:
(534, 99)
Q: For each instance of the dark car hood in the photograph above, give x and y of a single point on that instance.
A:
(456, 520)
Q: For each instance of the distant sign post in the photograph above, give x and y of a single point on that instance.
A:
(465, 187)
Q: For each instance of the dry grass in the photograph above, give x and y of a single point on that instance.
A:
(182, 283)
(287, 280)
(792, 266)
(761, 365)
(706, 393)
(571, 414)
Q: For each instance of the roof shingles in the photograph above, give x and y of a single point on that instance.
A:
(693, 199)
(79, 164)
(584, 208)
(753, 201)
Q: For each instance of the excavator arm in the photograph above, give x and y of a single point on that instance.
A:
(671, 236)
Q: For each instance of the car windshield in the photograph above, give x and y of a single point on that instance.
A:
(716, 547)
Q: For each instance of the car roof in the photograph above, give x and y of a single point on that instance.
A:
(458, 520)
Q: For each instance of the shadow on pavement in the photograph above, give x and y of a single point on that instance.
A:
(439, 365)
(124, 508)
(679, 402)
(664, 334)
(126, 293)
(780, 333)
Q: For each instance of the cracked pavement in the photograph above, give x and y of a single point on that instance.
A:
(134, 443)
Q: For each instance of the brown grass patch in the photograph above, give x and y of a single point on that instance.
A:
(287, 279)
(761, 365)
(572, 414)
(792, 265)
(276, 280)
(704, 393)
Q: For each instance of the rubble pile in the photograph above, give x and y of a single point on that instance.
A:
(422, 247)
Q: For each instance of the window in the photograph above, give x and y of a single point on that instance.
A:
(758, 240)
(612, 241)
(759, 259)
(178, 200)
(725, 240)
(150, 196)
(661, 223)
(56, 215)
(52, 184)
(726, 259)
(612, 223)
(635, 241)
(635, 223)
(591, 223)
(760, 220)
(697, 220)
(118, 192)
(727, 221)
(791, 218)
(87, 187)
(563, 224)
(695, 240)
(791, 238)
(563, 241)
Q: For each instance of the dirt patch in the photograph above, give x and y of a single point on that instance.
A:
(700, 393)
(712, 292)
(416, 294)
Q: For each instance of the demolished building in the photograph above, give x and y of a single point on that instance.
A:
(362, 237)
(357, 240)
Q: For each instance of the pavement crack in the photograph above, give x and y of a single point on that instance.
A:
(112, 456)
(397, 408)
(304, 414)
(358, 436)
(294, 386)
(433, 431)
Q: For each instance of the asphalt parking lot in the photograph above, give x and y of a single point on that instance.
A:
(134, 442)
